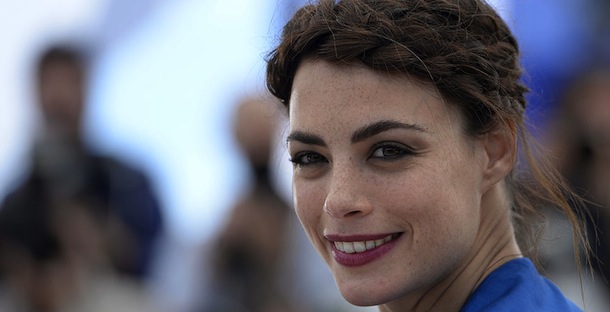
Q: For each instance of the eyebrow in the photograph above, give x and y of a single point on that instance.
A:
(382, 126)
(359, 135)
(305, 138)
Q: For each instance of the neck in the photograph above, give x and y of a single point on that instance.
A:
(495, 244)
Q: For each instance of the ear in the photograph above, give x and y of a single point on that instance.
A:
(500, 151)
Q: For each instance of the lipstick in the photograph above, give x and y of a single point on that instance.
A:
(358, 250)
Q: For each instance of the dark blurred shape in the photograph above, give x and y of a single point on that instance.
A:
(64, 166)
(55, 250)
(581, 143)
(249, 258)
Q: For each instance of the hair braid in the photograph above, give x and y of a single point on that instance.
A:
(461, 47)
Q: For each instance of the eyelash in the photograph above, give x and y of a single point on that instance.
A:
(297, 160)
(402, 151)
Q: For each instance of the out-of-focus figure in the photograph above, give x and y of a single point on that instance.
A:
(580, 139)
(81, 225)
(248, 264)
(54, 253)
(61, 159)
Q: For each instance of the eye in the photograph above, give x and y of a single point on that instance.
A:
(390, 151)
(307, 159)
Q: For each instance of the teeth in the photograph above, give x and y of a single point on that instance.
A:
(352, 247)
(339, 246)
(349, 247)
(359, 246)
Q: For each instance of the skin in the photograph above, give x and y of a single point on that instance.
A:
(421, 177)
(61, 92)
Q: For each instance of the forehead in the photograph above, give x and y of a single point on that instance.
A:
(332, 95)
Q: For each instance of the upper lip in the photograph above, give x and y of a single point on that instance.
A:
(357, 237)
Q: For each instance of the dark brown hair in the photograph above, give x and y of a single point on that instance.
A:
(464, 49)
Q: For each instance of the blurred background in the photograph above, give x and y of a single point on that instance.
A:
(110, 104)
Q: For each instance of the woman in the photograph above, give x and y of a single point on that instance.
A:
(404, 123)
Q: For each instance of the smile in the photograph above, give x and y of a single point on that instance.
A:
(362, 246)
(359, 250)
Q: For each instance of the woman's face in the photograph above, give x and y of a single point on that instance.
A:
(386, 184)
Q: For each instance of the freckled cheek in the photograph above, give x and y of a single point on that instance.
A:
(309, 207)
(443, 219)
(419, 203)
(308, 199)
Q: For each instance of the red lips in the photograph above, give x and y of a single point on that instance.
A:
(358, 250)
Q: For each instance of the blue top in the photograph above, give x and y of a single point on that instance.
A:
(517, 286)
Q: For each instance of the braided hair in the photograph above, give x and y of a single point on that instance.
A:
(463, 49)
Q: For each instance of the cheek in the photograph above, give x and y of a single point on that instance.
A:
(453, 215)
(309, 202)
(306, 201)
(440, 208)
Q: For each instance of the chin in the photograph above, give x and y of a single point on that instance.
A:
(364, 295)
(362, 301)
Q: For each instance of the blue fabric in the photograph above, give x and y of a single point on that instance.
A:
(517, 286)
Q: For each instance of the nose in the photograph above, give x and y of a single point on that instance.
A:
(347, 196)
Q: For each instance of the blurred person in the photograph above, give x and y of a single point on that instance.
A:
(580, 140)
(248, 270)
(55, 255)
(60, 153)
(405, 119)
